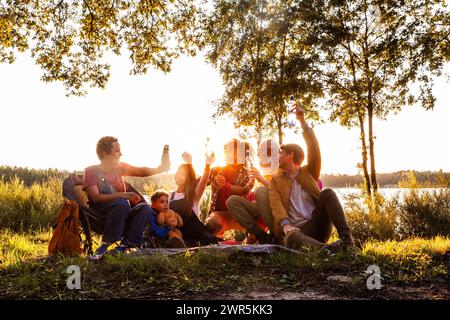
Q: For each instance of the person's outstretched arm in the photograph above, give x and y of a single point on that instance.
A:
(312, 145)
(129, 170)
(258, 176)
(203, 182)
(201, 185)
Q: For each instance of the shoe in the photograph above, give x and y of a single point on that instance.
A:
(263, 237)
(100, 252)
(324, 252)
(298, 240)
(334, 247)
(176, 242)
(119, 250)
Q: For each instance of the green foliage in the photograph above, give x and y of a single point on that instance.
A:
(372, 52)
(419, 213)
(35, 207)
(250, 42)
(31, 176)
(371, 217)
(412, 260)
(425, 214)
(69, 39)
(361, 56)
(19, 247)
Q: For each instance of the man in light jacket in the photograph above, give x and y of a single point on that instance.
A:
(303, 215)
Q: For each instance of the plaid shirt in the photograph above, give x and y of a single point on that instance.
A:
(240, 178)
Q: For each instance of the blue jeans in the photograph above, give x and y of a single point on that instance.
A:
(123, 222)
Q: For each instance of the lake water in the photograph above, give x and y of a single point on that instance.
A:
(386, 192)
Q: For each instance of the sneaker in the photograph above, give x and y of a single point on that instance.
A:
(118, 250)
(325, 252)
(100, 252)
(299, 241)
(335, 246)
(263, 237)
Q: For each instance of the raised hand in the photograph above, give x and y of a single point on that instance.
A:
(187, 157)
(300, 114)
(210, 159)
(165, 159)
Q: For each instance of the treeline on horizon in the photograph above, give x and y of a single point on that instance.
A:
(394, 179)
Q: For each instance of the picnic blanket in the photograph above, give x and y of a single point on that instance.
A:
(260, 248)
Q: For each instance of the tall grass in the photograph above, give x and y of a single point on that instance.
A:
(371, 217)
(412, 260)
(19, 247)
(23, 208)
(418, 213)
(425, 214)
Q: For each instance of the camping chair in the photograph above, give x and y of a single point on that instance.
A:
(92, 222)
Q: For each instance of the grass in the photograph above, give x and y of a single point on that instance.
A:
(417, 213)
(24, 208)
(380, 225)
(26, 272)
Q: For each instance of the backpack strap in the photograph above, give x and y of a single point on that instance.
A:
(103, 184)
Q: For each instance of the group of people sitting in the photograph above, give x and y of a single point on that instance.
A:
(289, 207)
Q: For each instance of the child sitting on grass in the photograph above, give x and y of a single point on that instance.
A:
(160, 203)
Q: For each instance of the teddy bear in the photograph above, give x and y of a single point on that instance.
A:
(171, 219)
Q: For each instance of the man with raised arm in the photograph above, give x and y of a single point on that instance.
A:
(303, 215)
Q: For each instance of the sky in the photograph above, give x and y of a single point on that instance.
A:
(42, 128)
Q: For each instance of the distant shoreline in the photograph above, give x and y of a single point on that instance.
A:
(399, 179)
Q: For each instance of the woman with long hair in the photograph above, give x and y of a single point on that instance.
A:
(185, 200)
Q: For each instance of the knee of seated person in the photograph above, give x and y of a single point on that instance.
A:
(261, 193)
(145, 211)
(328, 193)
(146, 208)
(122, 204)
(232, 201)
(293, 239)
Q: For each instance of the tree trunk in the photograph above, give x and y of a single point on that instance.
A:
(373, 176)
(259, 136)
(367, 182)
(280, 131)
(259, 120)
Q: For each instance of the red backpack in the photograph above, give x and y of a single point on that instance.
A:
(66, 237)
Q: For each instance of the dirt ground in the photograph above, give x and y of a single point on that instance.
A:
(389, 293)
